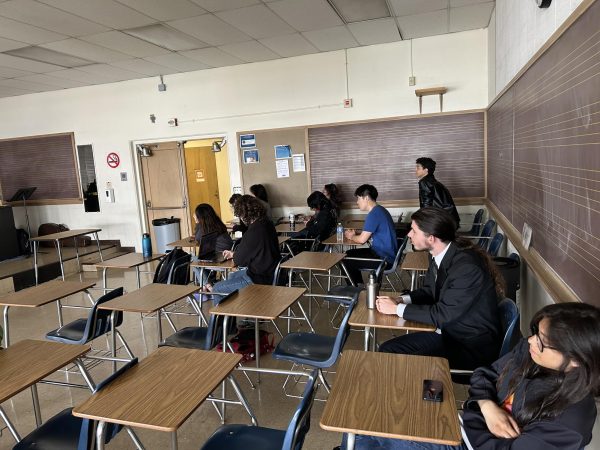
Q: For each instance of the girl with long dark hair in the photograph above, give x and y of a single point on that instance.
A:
(332, 193)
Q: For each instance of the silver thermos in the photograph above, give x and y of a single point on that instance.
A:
(372, 291)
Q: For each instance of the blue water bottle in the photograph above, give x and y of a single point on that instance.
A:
(146, 245)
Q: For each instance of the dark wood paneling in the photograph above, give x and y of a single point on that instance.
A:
(555, 106)
(383, 154)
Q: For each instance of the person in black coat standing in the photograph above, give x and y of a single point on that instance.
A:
(431, 191)
(460, 297)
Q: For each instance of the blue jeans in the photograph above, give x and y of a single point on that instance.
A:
(235, 281)
(379, 443)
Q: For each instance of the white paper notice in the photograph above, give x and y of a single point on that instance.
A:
(283, 168)
(298, 163)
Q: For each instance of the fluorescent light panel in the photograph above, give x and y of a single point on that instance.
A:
(49, 56)
(166, 37)
(359, 10)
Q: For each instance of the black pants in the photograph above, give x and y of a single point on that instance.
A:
(354, 267)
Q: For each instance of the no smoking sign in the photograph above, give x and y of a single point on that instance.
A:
(113, 160)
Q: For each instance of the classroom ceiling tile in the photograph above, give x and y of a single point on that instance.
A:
(329, 39)
(458, 3)
(23, 32)
(53, 81)
(377, 31)
(125, 43)
(111, 72)
(9, 44)
(224, 5)
(6, 91)
(306, 15)
(49, 56)
(177, 61)
(28, 85)
(213, 57)
(106, 12)
(251, 51)
(421, 25)
(165, 9)
(165, 36)
(144, 67)
(26, 64)
(411, 7)
(86, 50)
(257, 21)
(9, 72)
(290, 45)
(210, 29)
(49, 18)
(79, 75)
(470, 17)
(360, 10)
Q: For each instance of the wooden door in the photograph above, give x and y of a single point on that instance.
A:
(202, 181)
(164, 189)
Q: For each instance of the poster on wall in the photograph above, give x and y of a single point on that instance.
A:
(251, 156)
(283, 151)
(247, 141)
(283, 168)
(298, 163)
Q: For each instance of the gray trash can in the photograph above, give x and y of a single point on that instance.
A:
(166, 230)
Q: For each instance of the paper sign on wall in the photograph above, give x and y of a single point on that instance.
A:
(298, 163)
(199, 176)
(283, 168)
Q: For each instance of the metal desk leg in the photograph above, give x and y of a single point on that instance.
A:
(60, 261)
(9, 425)
(374, 343)
(350, 442)
(36, 405)
(257, 348)
(98, 244)
(413, 280)
(113, 338)
(77, 253)
(35, 260)
(137, 272)
(60, 317)
(104, 280)
(223, 386)
(174, 440)
(159, 326)
(367, 331)
(310, 292)
(6, 334)
(100, 435)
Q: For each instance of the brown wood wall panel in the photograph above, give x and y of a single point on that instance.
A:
(383, 154)
(47, 162)
(555, 108)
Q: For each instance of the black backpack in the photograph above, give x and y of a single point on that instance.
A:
(173, 268)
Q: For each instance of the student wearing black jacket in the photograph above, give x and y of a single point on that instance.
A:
(257, 254)
(540, 396)
(321, 224)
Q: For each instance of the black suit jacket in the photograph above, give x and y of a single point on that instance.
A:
(464, 305)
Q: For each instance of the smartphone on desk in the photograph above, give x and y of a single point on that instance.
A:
(433, 391)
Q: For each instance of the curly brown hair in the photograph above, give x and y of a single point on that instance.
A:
(248, 208)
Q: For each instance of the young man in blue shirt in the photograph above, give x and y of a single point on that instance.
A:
(379, 227)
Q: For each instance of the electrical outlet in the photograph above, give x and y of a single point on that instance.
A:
(412, 81)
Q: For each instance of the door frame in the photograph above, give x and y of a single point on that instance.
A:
(144, 226)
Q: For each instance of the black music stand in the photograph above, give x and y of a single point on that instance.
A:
(24, 194)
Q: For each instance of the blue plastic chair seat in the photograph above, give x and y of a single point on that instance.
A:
(189, 337)
(306, 348)
(245, 437)
(68, 333)
(61, 432)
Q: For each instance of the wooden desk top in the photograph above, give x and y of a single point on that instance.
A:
(128, 261)
(189, 241)
(322, 261)
(150, 298)
(27, 362)
(162, 391)
(285, 228)
(225, 265)
(415, 261)
(380, 394)
(65, 234)
(332, 240)
(365, 317)
(44, 293)
(259, 301)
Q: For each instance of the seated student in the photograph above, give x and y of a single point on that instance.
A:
(332, 193)
(379, 227)
(460, 297)
(241, 227)
(259, 191)
(257, 254)
(321, 224)
(540, 396)
(211, 235)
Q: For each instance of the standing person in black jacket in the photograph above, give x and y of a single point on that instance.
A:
(540, 396)
(258, 251)
(431, 191)
(460, 297)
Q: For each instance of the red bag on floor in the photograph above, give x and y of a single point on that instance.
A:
(244, 343)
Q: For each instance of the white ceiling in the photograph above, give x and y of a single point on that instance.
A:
(59, 44)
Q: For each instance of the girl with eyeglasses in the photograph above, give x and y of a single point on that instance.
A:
(540, 396)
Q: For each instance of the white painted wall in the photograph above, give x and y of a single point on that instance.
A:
(288, 92)
(521, 28)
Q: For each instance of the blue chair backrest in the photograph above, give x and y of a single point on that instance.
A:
(343, 331)
(300, 423)
(214, 332)
(486, 233)
(280, 276)
(495, 244)
(476, 223)
(399, 253)
(86, 435)
(509, 319)
(98, 322)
